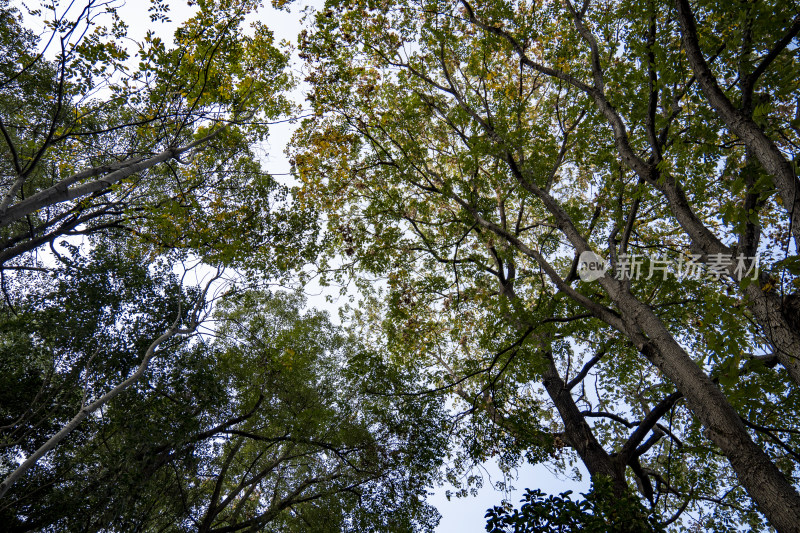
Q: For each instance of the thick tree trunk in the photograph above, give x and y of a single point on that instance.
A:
(769, 488)
(767, 485)
(577, 432)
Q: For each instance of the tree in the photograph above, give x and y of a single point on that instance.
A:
(162, 147)
(266, 425)
(89, 146)
(317, 443)
(112, 314)
(156, 162)
(470, 153)
(560, 513)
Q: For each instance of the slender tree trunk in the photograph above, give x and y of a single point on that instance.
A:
(88, 409)
(84, 412)
(739, 123)
(579, 434)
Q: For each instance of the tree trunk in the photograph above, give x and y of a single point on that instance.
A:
(578, 433)
(739, 123)
(767, 485)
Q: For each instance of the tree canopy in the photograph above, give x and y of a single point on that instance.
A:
(470, 153)
(161, 144)
(569, 233)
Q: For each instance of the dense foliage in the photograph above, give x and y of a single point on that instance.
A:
(470, 153)
(158, 138)
(266, 423)
(463, 165)
(133, 399)
(540, 513)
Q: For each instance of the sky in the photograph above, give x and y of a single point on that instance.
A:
(458, 514)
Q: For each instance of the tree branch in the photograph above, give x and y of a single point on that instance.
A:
(87, 410)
